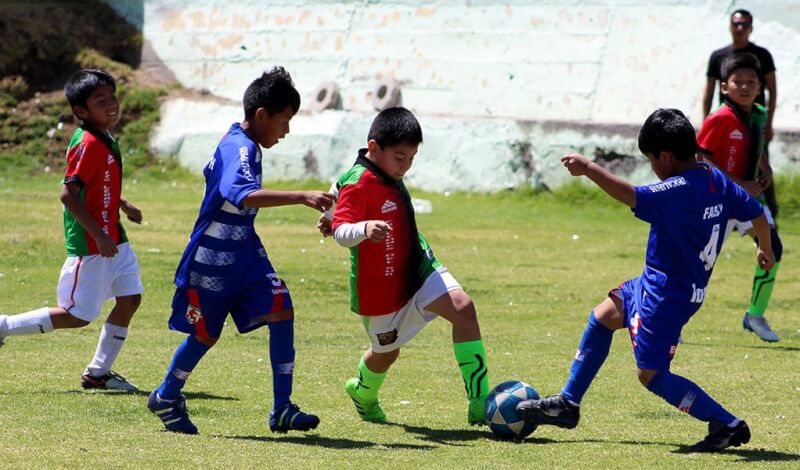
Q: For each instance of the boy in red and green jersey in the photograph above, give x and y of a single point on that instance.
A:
(100, 262)
(732, 139)
(396, 284)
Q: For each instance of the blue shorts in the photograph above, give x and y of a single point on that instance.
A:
(203, 312)
(652, 349)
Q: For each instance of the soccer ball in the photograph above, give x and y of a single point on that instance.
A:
(501, 413)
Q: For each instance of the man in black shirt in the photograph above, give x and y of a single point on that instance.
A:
(741, 25)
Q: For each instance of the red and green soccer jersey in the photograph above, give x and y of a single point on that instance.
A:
(726, 138)
(384, 275)
(94, 164)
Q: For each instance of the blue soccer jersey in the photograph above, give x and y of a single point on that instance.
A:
(687, 215)
(224, 239)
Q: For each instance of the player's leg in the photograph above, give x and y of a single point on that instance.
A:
(442, 295)
(725, 429)
(98, 373)
(126, 287)
(268, 293)
(563, 410)
(201, 314)
(364, 389)
(80, 297)
(763, 283)
(457, 307)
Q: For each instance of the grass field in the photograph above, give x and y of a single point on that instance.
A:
(533, 281)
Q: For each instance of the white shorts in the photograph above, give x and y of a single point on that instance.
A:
(393, 330)
(88, 281)
(743, 227)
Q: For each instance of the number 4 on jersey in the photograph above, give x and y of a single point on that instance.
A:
(709, 254)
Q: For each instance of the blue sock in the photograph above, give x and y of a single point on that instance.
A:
(592, 352)
(281, 356)
(688, 397)
(186, 357)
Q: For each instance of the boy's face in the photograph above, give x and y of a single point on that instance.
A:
(270, 129)
(102, 108)
(742, 87)
(394, 160)
(661, 165)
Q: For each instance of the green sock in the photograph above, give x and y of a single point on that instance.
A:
(763, 282)
(471, 357)
(369, 383)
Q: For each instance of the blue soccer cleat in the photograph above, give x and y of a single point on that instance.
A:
(173, 413)
(290, 418)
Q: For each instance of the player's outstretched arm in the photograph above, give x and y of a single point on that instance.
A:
(764, 255)
(318, 200)
(614, 186)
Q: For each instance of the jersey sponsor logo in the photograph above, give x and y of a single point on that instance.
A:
(388, 206)
(79, 152)
(193, 314)
(736, 135)
(387, 338)
(110, 159)
(245, 162)
(669, 184)
(698, 295)
(712, 211)
(686, 403)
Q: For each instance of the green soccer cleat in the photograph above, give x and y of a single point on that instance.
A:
(475, 414)
(368, 411)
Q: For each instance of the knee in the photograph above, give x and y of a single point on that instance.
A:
(465, 309)
(646, 376)
(129, 303)
(207, 341)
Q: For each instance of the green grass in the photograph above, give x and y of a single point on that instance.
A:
(533, 284)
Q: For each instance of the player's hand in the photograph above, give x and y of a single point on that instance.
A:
(576, 164)
(134, 213)
(765, 260)
(377, 230)
(753, 187)
(318, 200)
(324, 225)
(106, 245)
(768, 133)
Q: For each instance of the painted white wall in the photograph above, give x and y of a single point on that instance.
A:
(483, 77)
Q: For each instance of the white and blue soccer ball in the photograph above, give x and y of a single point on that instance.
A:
(500, 410)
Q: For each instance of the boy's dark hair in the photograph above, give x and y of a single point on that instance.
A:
(395, 126)
(83, 82)
(738, 61)
(743, 12)
(668, 130)
(274, 91)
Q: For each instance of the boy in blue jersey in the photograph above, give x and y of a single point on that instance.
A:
(687, 213)
(225, 269)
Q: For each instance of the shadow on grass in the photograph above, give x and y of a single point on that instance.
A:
(143, 393)
(719, 345)
(749, 455)
(445, 436)
(330, 443)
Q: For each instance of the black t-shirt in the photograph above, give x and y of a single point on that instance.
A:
(764, 57)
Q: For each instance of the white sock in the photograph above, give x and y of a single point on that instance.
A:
(112, 337)
(28, 323)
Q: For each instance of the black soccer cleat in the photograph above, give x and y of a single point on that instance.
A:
(720, 436)
(554, 410)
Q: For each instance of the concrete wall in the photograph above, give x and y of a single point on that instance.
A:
(501, 89)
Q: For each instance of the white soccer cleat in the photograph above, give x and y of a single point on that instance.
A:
(758, 325)
(110, 381)
(3, 328)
